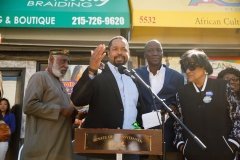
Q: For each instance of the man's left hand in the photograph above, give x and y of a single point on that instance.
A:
(70, 112)
(173, 108)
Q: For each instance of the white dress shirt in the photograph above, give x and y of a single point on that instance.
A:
(157, 81)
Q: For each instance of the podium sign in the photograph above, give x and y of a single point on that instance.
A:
(115, 141)
(109, 141)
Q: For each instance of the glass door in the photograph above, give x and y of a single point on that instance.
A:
(13, 90)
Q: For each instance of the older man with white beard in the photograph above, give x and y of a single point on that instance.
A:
(49, 113)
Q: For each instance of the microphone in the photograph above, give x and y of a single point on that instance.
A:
(122, 69)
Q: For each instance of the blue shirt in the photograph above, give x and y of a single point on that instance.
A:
(9, 119)
(129, 96)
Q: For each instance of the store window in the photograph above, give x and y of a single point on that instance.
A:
(9, 88)
(73, 74)
(221, 63)
(171, 62)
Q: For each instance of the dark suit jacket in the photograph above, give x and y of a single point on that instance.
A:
(173, 80)
(103, 96)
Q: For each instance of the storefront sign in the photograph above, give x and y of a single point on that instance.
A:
(65, 13)
(217, 2)
(69, 86)
(186, 13)
(221, 63)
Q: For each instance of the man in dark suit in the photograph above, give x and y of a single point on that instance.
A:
(113, 98)
(164, 83)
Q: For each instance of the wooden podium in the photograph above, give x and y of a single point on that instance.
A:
(118, 141)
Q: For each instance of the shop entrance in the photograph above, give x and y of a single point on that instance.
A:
(13, 86)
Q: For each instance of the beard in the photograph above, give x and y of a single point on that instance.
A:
(116, 64)
(56, 71)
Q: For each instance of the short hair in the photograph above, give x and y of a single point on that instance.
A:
(199, 57)
(117, 37)
(153, 40)
(8, 104)
(234, 71)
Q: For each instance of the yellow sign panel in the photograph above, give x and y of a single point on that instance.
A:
(186, 13)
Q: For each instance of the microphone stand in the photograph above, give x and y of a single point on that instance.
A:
(170, 112)
(162, 111)
(163, 131)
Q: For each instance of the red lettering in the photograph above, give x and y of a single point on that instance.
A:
(68, 84)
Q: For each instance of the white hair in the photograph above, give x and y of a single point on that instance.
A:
(55, 67)
(54, 57)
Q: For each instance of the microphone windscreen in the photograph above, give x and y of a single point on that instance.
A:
(121, 69)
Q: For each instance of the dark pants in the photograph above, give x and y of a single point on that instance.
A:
(169, 156)
(124, 157)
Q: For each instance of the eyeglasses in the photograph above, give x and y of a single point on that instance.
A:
(235, 79)
(191, 66)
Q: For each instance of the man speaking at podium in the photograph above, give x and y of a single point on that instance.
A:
(113, 98)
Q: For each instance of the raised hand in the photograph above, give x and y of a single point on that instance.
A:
(96, 56)
(173, 108)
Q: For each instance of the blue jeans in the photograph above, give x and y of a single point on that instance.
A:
(3, 150)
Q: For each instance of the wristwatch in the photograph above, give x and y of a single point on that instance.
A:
(92, 70)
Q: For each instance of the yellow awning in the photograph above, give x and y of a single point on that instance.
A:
(186, 13)
(185, 21)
